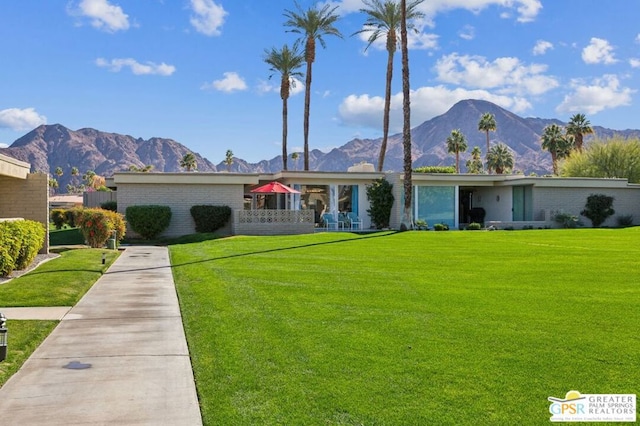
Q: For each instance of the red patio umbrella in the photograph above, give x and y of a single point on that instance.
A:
(274, 188)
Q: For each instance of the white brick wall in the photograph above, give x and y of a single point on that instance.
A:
(26, 198)
(180, 197)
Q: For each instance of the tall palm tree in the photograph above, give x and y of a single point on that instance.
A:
(313, 24)
(558, 145)
(456, 143)
(487, 124)
(59, 172)
(383, 20)
(407, 216)
(285, 61)
(189, 162)
(500, 159)
(474, 165)
(579, 126)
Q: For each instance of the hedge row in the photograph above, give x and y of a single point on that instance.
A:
(210, 218)
(20, 242)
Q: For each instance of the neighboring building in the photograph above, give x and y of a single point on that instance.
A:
(24, 195)
(454, 199)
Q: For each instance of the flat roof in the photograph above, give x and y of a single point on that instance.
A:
(11, 167)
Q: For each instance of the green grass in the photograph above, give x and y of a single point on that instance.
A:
(409, 328)
(24, 338)
(58, 282)
(65, 237)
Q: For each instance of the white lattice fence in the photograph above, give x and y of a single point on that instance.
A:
(273, 222)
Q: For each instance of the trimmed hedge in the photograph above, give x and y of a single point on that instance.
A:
(110, 205)
(210, 218)
(435, 169)
(148, 221)
(20, 242)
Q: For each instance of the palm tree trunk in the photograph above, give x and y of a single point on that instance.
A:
(307, 106)
(554, 160)
(457, 162)
(387, 109)
(407, 216)
(487, 155)
(284, 133)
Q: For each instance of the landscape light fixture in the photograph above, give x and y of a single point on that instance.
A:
(3, 337)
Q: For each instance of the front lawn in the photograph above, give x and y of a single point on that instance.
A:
(59, 282)
(409, 328)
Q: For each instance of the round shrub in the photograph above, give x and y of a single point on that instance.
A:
(97, 226)
(148, 221)
(58, 218)
(474, 226)
(210, 218)
(440, 227)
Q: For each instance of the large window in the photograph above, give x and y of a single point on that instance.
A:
(436, 204)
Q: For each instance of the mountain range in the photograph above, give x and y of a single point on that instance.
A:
(51, 146)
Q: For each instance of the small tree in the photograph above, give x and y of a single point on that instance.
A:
(228, 159)
(598, 208)
(474, 165)
(380, 196)
(189, 162)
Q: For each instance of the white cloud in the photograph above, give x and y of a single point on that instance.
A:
(231, 82)
(21, 119)
(527, 10)
(541, 47)
(3, 145)
(103, 15)
(599, 51)
(467, 32)
(419, 40)
(638, 38)
(507, 75)
(208, 17)
(591, 98)
(148, 68)
(426, 103)
(634, 62)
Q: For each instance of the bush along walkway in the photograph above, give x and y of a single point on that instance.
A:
(119, 356)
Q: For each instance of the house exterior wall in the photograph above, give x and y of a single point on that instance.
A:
(97, 198)
(28, 199)
(496, 201)
(181, 197)
(572, 200)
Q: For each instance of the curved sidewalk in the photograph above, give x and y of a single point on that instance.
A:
(119, 357)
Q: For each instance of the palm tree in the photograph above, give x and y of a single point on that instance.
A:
(579, 126)
(59, 172)
(312, 24)
(456, 143)
(407, 216)
(384, 20)
(558, 145)
(474, 165)
(487, 124)
(285, 61)
(189, 162)
(500, 159)
(295, 157)
(228, 159)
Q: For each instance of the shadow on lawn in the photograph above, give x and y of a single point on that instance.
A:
(231, 256)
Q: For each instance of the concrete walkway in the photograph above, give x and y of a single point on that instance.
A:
(119, 357)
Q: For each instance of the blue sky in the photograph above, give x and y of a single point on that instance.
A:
(193, 70)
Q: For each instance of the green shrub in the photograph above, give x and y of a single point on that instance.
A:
(474, 226)
(70, 216)
(20, 242)
(435, 169)
(380, 196)
(110, 205)
(97, 226)
(210, 218)
(440, 227)
(598, 208)
(567, 220)
(421, 224)
(58, 218)
(148, 221)
(624, 220)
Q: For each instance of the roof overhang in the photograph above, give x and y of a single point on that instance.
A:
(185, 178)
(11, 167)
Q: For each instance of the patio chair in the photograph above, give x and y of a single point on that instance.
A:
(354, 221)
(329, 221)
